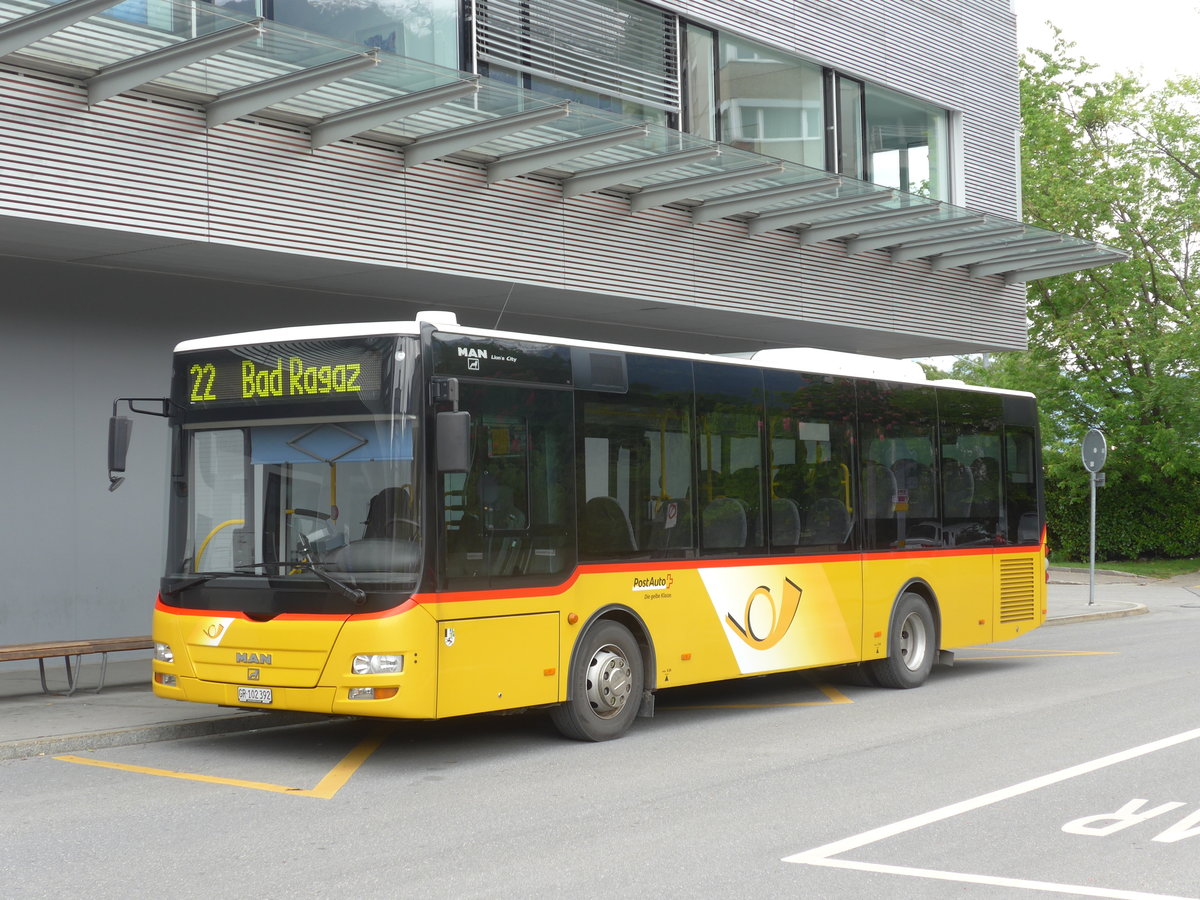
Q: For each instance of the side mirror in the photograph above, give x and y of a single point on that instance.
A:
(120, 428)
(453, 437)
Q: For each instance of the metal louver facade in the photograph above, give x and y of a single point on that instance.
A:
(616, 47)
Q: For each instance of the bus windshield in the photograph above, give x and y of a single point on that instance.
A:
(317, 495)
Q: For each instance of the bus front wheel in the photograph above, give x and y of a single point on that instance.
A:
(911, 645)
(604, 686)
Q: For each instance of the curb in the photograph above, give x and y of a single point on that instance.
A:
(1133, 609)
(144, 734)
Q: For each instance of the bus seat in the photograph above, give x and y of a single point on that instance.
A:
(723, 524)
(390, 514)
(828, 522)
(958, 488)
(785, 522)
(985, 471)
(879, 491)
(1028, 528)
(605, 530)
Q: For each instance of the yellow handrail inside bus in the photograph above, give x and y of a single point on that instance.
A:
(211, 535)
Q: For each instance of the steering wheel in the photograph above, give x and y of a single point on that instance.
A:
(409, 523)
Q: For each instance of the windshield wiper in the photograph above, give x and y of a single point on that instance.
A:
(201, 578)
(358, 595)
(192, 582)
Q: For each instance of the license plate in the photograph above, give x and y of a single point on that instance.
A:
(254, 695)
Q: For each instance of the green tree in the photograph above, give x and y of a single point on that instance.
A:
(1117, 348)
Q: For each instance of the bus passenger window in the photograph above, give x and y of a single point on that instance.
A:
(969, 424)
(511, 519)
(898, 467)
(811, 454)
(635, 466)
(729, 493)
(1020, 486)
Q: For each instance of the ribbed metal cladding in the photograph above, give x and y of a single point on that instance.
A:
(618, 47)
(1018, 590)
(151, 167)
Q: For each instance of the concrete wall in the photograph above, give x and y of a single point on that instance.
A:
(77, 561)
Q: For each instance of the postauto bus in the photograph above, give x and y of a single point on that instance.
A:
(422, 520)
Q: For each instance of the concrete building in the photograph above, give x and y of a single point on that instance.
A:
(714, 175)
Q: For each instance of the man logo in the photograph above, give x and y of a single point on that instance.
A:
(253, 674)
(764, 623)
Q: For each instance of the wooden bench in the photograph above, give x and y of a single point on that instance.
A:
(77, 649)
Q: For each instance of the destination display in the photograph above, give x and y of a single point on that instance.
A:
(268, 373)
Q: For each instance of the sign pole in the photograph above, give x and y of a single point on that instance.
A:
(1094, 452)
(1092, 545)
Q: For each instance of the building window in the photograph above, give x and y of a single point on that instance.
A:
(771, 102)
(419, 29)
(907, 144)
(612, 54)
(700, 82)
(427, 30)
(848, 147)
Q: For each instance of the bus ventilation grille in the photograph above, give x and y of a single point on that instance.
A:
(1018, 590)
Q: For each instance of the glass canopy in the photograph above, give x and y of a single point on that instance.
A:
(233, 66)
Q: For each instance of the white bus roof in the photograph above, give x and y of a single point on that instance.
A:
(799, 359)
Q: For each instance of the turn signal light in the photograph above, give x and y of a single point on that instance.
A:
(372, 693)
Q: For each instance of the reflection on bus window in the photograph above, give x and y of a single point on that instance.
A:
(729, 491)
(898, 466)
(811, 455)
(512, 516)
(636, 473)
(970, 438)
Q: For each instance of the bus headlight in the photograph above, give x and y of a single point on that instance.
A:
(378, 664)
(163, 653)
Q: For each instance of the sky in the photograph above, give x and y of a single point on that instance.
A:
(1153, 38)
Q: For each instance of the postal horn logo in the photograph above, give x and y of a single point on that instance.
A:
(766, 620)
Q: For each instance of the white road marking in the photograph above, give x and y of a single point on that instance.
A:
(821, 856)
(1076, 889)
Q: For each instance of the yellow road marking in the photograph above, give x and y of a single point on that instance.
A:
(325, 789)
(833, 697)
(1030, 654)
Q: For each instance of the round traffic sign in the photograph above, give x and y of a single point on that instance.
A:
(1095, 450)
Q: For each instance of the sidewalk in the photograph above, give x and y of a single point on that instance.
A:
(126, 712)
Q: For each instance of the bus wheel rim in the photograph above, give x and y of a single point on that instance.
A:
(913, 642)
(609, 681)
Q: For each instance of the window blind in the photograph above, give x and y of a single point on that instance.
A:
(619, 48)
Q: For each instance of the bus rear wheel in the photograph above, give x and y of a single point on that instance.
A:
(911, 645)
(604, 687)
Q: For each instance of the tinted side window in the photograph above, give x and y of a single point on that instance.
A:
(512, 518)
(811, 459)
(898, 468)
(970, 428)
(1022, 465)
(729, 434)
(635, 464)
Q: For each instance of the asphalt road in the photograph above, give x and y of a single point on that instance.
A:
(1066, 762)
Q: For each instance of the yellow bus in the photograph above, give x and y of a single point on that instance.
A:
(422, 520)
